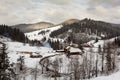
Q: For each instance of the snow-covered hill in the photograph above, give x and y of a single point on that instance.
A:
(33, 26)
(39, 34)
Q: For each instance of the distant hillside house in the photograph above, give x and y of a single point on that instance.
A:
(72, 51)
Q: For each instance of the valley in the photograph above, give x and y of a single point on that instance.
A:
(72, 51)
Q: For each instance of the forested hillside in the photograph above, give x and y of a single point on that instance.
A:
(86, 28)
(14, 34)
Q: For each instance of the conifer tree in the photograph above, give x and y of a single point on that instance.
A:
(4, 64)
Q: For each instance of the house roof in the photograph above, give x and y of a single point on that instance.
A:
(72, 49)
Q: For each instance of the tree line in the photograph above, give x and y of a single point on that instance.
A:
(55, 44)
(12, 33)
(17, 35)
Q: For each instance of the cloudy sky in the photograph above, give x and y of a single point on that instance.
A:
(56, 11)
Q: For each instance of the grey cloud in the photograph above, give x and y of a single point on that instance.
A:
(106, 3)
(30, 11)
(61, 2)
(105, 14)
(57, 16)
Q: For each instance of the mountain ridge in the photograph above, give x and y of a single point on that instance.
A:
(42, 25)
(34, 26)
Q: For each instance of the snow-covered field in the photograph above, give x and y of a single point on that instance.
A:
(114, 76)
(15, 50)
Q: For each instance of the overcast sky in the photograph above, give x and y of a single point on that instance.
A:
(56, 11)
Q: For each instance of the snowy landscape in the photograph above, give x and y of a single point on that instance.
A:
(59, 39)
(42, 62)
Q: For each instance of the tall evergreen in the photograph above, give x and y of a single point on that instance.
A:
(4, 64)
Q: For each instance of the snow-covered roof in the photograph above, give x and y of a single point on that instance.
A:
(72, 49)
(68, 47)
(73, 44)
(35, 54)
